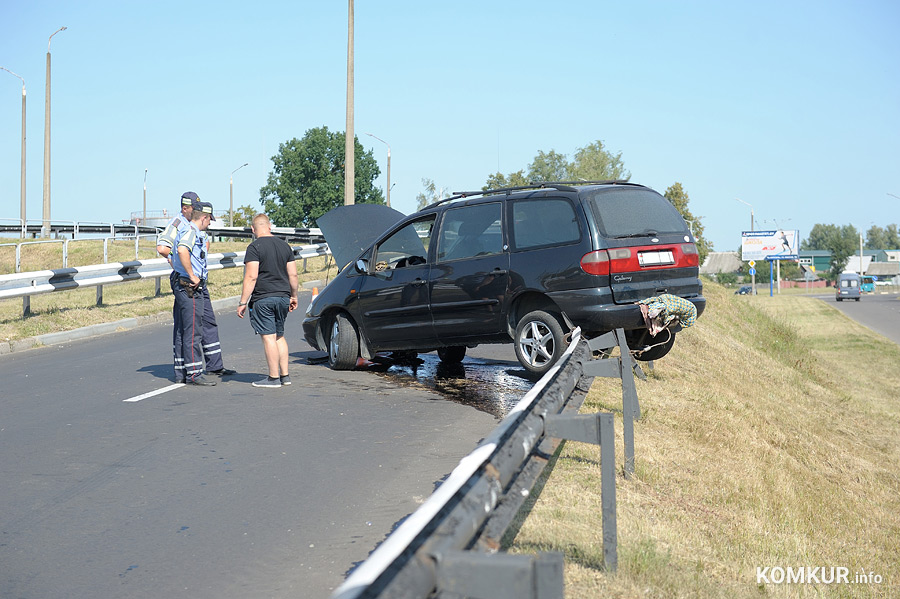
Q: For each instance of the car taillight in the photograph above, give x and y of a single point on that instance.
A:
(603, 262)
(595, 263)
(689, 255)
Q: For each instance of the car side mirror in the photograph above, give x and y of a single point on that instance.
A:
(362, 266)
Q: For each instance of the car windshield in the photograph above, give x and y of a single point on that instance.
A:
(635, 212)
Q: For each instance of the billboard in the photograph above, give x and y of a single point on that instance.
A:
(770, 245)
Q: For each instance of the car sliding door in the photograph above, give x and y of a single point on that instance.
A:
(470, 276)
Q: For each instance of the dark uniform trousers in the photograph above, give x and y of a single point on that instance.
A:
(194, 316)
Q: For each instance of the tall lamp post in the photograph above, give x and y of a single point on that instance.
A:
(349, 136)
(45, 230)
(388, 167)
(144, 221)
(751, 211)
(22, 184)
(231, 194)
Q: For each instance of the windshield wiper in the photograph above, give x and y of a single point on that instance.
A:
(647, 233)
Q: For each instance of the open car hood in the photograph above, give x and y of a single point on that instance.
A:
(351, 229)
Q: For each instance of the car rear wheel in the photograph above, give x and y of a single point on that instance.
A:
(539, 341)
(343, 344)
(452, 355)
(640, 338)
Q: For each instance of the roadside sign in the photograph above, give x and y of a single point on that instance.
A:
(752, 263)
(752, 271)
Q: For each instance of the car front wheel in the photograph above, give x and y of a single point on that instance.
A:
(539, 342)
(343, 344)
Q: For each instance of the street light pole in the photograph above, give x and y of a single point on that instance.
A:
(349, 137)
(388, 167)
(751, 211)
(144, 221)
(45, 229)
(231, 194)
(22, 184)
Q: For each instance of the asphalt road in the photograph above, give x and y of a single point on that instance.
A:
(228, 491)
(878, 311)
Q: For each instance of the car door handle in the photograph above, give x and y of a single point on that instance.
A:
(418, 282)
(498, 271)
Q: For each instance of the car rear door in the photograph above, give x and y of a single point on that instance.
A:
(470, 277)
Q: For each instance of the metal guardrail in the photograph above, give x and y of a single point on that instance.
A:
(449, 546)
(28, 284)
(76, 228)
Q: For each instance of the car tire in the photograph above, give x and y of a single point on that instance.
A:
(343, 344)
(654, 353)
(539, 341)
(452, 355)
(838, 299)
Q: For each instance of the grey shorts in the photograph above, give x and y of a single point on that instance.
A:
(267, 315)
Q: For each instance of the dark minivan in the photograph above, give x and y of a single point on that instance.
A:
(522, 265)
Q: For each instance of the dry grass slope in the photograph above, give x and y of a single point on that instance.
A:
(769, 437)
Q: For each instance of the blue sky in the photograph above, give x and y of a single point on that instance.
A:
(793, 107)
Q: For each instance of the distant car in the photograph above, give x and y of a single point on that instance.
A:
(521, 265)
(847, 287)
(745, 290)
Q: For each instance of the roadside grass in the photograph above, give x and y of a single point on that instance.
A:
(68, 310)
(769, 437)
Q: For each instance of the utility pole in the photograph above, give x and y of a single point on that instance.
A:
(45, 229)
(349, 137)
(144, 222)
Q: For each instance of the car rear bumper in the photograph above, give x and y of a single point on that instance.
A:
(594, 312)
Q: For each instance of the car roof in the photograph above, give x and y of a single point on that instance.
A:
(527, 190)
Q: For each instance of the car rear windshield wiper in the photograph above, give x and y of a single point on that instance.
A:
(647, 233)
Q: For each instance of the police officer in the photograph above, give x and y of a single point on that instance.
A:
(166, 242)
(191, 294)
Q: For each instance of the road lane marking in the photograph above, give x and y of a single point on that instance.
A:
(152, 393)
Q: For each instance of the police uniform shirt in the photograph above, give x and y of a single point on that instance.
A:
(169, 236)
(195, 241)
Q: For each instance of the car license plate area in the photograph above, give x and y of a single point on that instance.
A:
(656, 258)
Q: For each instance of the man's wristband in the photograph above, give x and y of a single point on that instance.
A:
(242, 303)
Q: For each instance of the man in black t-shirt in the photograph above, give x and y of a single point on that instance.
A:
(270, 291)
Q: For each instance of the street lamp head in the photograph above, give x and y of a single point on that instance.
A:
(51, 37)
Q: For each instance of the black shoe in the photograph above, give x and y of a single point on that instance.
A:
(201, 380)
(223, 372)
(268, 383)
(285, 379)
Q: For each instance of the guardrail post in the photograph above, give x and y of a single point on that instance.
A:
(66, 253)
(26, 306)
(99, 295)
(158, 293)
(621, 367)
(597, 429)
(499, 576)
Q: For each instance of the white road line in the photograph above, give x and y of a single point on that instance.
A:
(157, 392)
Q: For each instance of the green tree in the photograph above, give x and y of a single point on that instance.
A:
(431, 194)
(842, 242)
(498, 180)
(308, 178)
(679, 198)
(882, 239)
(243, 216)
(548, 166)
(593, 162)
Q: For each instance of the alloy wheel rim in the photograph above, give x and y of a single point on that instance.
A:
(536, 341)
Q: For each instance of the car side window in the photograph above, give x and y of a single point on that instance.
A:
(543, 222)
(408, 246)
(471, 231)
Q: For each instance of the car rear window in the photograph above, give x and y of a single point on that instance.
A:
(631, 212)
(543, 222)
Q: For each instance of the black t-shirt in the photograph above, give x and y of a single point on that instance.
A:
(273, 254)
